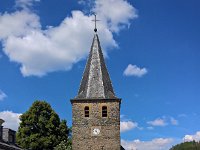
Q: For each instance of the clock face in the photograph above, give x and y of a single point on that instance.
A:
(96, 131)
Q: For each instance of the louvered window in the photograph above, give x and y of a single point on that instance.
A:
(104, 111)
(87, 111)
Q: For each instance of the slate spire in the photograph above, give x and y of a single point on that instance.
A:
(96, 83)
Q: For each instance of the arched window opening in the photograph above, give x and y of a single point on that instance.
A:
(87, 111)
(104, 111)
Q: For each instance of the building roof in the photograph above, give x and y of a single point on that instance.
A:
(8, 146)
(96, 83)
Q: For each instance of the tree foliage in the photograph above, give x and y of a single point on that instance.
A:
(41, 128)
(64, 146)
(187, 146)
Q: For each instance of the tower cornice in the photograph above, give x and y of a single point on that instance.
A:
(96, 100)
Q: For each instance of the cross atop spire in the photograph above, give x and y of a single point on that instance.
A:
(95, 22)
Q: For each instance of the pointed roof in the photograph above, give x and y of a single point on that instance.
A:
(96, 83)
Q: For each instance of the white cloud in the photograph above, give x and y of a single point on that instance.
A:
(122, 116)
(182, 115)
(150, 128)
(155, 144)
(2, 95)
(195, 137)
(11, 119)
(18, 24)
(157, 122)
(56, 48)
(127, 125)
(133, 70)
(173, 121)
(164, 121)
(25, 3)
(117, 13)
(87, 4)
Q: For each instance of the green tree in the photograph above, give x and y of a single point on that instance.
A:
(41, 128)
(187, 146)
(63, 146)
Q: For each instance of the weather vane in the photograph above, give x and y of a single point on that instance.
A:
(95, 21)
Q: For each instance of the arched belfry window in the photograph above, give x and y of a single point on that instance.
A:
(104, 111)
(87, 111)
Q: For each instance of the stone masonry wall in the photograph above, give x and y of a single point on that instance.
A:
(9, 135)
(109, 137)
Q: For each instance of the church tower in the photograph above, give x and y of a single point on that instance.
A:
(96, 109)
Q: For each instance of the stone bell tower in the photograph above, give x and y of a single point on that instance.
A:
(96, 109)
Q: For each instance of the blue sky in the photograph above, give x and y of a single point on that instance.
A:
(152, 53)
